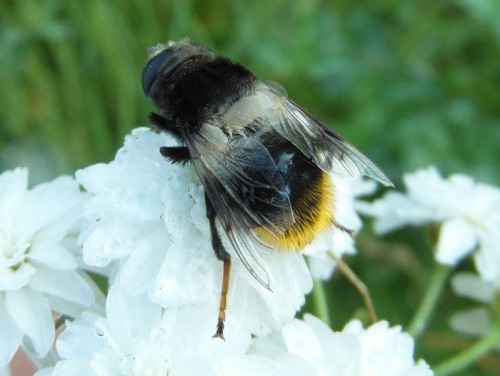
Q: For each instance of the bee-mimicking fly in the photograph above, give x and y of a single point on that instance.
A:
(266, 164)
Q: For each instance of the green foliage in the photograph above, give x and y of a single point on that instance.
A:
(411, 83)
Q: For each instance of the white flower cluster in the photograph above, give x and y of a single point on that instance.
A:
(139, 338)
(145, 227)
(468, 214)
(148, 220)
(39, 270)
(312, 348)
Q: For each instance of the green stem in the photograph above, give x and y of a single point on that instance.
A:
(320, 302)
(428, 302)
(460, 361)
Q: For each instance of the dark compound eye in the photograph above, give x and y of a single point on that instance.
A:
(153, 68)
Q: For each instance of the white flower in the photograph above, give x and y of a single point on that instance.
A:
(474, 321)
(341, 242)
(147, 218)
(378, 350)
(139, 338)
(469, 214)
(38, 269)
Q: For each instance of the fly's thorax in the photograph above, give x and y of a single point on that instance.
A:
(255, 104)
(201, 88)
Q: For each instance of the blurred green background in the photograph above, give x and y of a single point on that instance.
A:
(411, 83)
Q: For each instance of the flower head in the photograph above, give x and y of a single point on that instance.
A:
(38, 267)
(137, 337)
(147, 218)
(468, 212)
(377, 350)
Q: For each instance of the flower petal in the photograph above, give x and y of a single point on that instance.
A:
(476, 322)
(78, 340)
(141, 316)
(72, 367)
(321, 266)
(301, 340)
(31, 313)
(426, 187)
(67, 285)
(471, 286)
(139, 271)
(54, 255)
(43, 372)
(10, 336)
(487, 258)
(16, 279)
(13, 185)
(106, 241)
(457, 238)
(393, 211)
(59, 201)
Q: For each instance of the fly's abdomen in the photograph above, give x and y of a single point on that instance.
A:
(311, 196)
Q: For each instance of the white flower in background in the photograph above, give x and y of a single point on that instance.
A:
(469, 214)
(38, 268)
(139, 338)
(346, 190)
(377, 350)
(474, 321)
(147, 219)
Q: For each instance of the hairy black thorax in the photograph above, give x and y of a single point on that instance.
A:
(199, 87)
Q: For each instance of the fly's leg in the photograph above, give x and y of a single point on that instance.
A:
(225, 257)
(176, 154)
(161, 124)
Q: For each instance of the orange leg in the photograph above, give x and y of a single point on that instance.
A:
(225, 257)
(223, 299)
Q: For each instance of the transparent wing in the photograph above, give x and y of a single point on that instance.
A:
(328, 150)
(245, 189)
